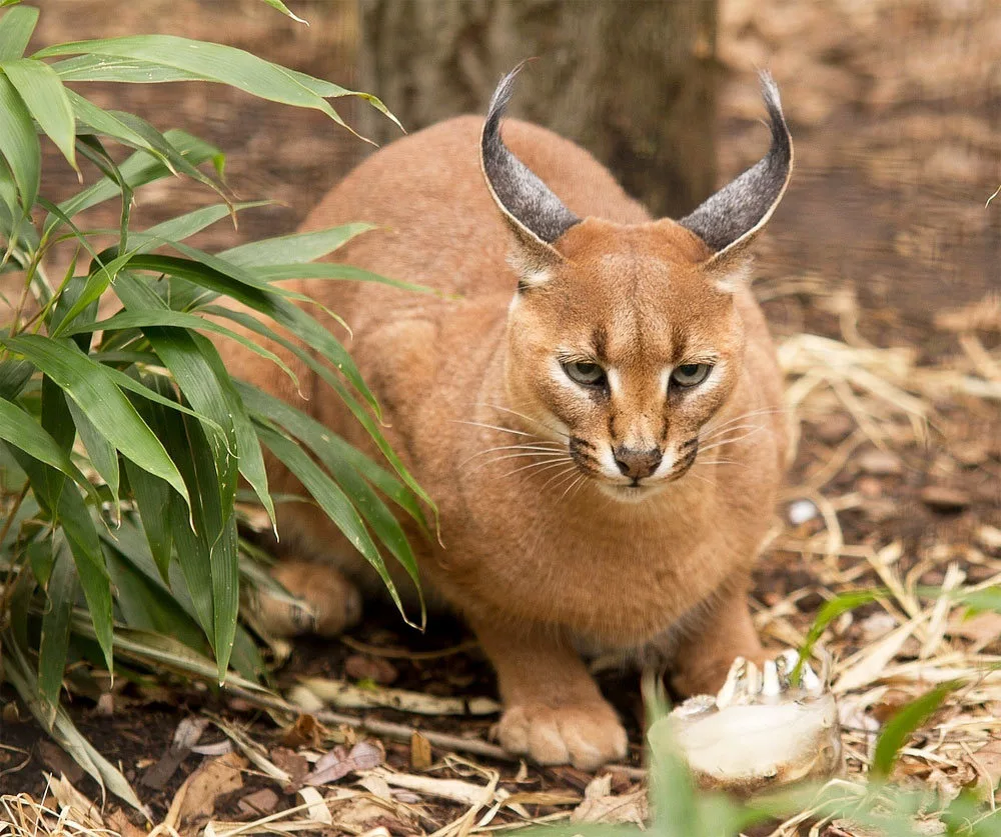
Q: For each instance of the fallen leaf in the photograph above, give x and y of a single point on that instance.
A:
(988, 760)
(118, 822)
(197, 797)
(629, 808)
(306, 731)
(420, 752)
(59, 761)
(338, 763)
(294, 764)
(259, 803)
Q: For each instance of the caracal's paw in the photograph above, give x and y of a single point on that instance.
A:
(761, 730)
(321, 601)
(586, 735)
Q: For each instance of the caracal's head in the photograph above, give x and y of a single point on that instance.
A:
(624, 341)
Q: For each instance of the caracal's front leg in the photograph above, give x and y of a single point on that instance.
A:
(553, 710)
(708, 647)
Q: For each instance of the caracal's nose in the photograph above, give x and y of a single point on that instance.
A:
(637, 464)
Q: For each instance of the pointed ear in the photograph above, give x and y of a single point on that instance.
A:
(730, 219)
(535, 215)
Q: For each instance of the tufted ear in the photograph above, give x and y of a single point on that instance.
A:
(535, 215)
(731, 218)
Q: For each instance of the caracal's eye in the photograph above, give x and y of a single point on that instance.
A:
(584, 372)
(691, 374)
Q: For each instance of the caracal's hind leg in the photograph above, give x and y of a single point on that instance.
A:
(328, 603)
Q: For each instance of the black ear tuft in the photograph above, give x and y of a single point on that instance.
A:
(740, 209)
(526, 201)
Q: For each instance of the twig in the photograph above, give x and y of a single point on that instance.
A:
(476, 746)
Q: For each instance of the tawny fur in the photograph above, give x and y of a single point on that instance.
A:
(539, 562)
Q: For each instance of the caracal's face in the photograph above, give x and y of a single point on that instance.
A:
(624, 352)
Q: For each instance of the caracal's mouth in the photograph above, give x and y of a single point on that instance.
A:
(629, 493)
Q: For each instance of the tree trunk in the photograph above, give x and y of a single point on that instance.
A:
(631, 80)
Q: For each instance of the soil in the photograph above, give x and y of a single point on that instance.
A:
(895, 108)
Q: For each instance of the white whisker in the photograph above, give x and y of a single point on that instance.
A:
(732, 441)
(498, 427)
(551, 447)
(523, 416)
(710, 427)
(544, 457)
(548, 466)
(556, 477)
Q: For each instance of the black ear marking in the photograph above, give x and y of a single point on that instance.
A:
(535, 213)
(738, 211)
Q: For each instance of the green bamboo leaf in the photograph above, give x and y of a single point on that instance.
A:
(193, 558)
(84, 542)
(225, 594)
(93, 149)
(57, 420)
(138, 170)
(46, 99)
(178, 319)
(202, 377)
(101, 452)
(131, 543)
(150, 607)
(320, 440)
(19, 429)
(152, 496)
(95, 391)
(19, 144)
(329, 90)
(227, 65)
(233, 282)
(16, 28)
(119, 70)
(14, 376)
(899, 728)
(360, 461)
(329, 497)
(293, 249)
(195, 378)
(107, 123)
(164, 652)
(61, 592)
(280, 6)
(163, 149)
(184, 226)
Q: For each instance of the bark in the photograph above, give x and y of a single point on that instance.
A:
(632, 81)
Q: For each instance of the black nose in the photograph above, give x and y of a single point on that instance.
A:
(637, 464)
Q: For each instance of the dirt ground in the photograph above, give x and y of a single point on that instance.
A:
(883, 246)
